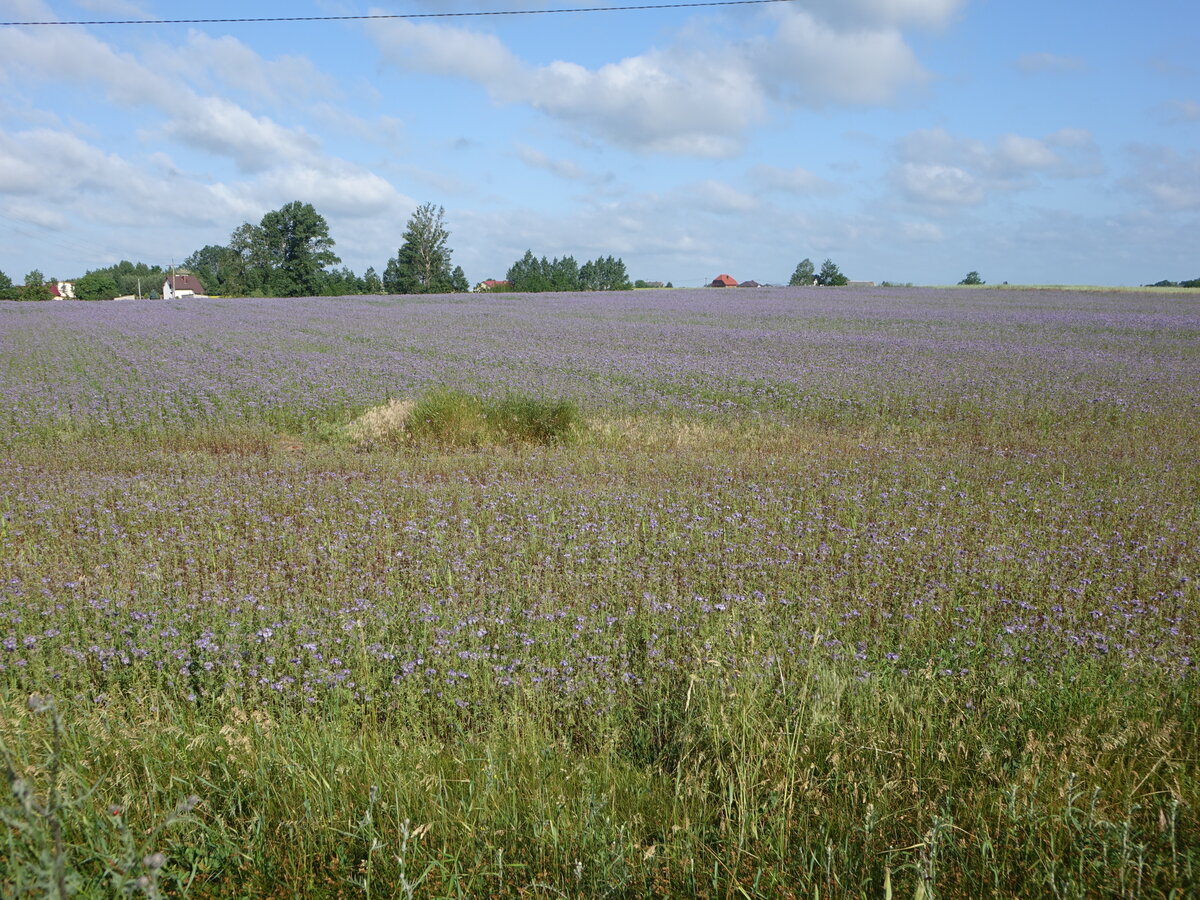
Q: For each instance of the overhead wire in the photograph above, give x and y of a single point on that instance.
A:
(383, 16)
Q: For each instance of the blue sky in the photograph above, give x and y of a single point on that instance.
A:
(908, 140)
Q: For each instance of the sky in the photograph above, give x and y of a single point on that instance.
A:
(906, 140)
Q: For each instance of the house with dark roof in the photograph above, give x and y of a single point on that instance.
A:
(724, 281)
(750, 283)
(182, 286)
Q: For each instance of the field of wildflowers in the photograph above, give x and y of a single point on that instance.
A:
(838, 593)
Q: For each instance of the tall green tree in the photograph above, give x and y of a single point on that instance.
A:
(245, 263)
(137, 279)
(529, 274)
(97, 285)
(8, 291)
(208, 264)
(342, 283)
(972, 278)
(297, 246)
(605, 273)
(564, 274)
(830, 275)
(422, 264)
(805, 273)
(35, 287)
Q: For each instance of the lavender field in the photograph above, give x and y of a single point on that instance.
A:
(839, 593)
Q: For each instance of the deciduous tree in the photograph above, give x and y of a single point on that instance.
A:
(97, 285)
(298, 247)
(35, 287)
(805, 273)
(209, 264)
(422, 264)
(830, 275)
(245, 263)
(528, 274)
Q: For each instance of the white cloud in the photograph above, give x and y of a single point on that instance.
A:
(446, 50)
(72, 55)
(222, 127)
(563, 168)
(18, 175)
(694, 98)
(670, 102)
(385, 130)
(93, 185)
(1170, 179)
(942, 169)
(792, 181)
(1183, 111)
(809, 63)
(938, 185)
(214, 124)
(1034, 63)
(284, 79)
(339, 189)
(928, 13)
(922, 232)
(1017, 153)
(27, 11)
(667, 102)
(715, 196)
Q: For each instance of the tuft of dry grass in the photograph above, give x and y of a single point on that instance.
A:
(384, 424)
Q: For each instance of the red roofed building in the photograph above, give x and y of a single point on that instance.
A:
(724, 281)
(182, 286)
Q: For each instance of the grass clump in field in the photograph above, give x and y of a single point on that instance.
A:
(454, 418)
(381, 424)
(531, 421)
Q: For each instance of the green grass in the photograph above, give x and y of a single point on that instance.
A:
(456, 419)
(842, 790)
(710, 781)
(696, 635)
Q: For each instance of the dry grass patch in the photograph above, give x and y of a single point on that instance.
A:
(385, 424)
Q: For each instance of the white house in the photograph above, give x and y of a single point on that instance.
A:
(182, 286)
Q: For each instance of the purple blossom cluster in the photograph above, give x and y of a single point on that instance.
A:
(392, 583)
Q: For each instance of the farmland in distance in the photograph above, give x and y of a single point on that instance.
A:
(837, 592)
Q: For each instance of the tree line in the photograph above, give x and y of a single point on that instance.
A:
(290, 253)
(1189, 283)
(806, 273)
(531, 275)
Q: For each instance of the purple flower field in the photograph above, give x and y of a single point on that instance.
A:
(911, 577)
(294, 581)
(784, 351)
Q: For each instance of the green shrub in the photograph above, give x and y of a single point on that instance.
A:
(449, 417)
(526, 420)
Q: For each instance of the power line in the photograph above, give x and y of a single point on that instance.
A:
(437, 15)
